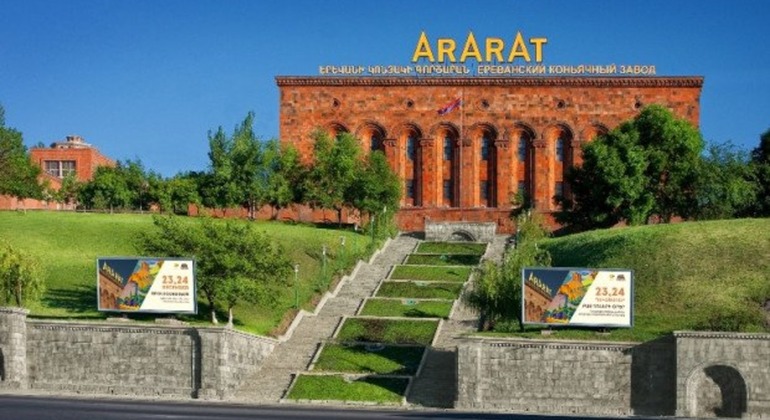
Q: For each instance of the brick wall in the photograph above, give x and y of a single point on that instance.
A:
(538, 111)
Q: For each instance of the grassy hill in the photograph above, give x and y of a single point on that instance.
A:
(706, 275)
(67, 245)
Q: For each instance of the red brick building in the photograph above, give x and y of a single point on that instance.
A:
(509, 135)
(73, 155)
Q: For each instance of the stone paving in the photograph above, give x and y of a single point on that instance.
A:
(435, 386)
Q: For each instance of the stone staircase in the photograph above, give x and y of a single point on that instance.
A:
(268, 385)
(436, 383)
(434, 386)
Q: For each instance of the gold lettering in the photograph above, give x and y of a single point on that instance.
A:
(422, 50)
(446, 46)
(494, 46)
(519, 49)
(471, 48)
(538, 43)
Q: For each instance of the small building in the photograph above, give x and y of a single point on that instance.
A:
(70, 156)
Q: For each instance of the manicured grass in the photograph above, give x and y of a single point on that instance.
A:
(388, 331)
(337, 387)
(696, 275)
(452, 248)
(443, 259)
(420, 290)
(388, 360)
(67, 245)
(407, 308)
(416, 272)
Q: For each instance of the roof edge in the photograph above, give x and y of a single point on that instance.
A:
(573, 81)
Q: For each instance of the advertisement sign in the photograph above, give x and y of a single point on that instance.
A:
(577, 296)
(146, 284)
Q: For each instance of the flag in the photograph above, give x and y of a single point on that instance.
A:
(450, 107)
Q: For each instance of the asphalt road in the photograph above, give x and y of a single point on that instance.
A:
(55, 408)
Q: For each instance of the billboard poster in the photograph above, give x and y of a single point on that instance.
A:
(577, 296)
(146, 284)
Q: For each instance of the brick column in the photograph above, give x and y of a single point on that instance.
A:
(469, 190)
(428, 173)
(13, 348)
(540, 170)
(392, 155)
(502, 174)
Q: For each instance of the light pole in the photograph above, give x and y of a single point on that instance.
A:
(323, 259)
(373, 222)
(296, 290)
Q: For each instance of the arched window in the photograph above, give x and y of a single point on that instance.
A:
(485, 144)
(560, 149)
(448, 152)
(411, 147)
(523, 148)
(375, 142)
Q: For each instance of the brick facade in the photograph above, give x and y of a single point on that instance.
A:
(83, 159)
(509, 134)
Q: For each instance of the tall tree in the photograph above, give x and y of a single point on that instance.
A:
(108, 189)
(376, 188)
(727, 185)
(760, 161)
(646, 167)
(285, 175)
(18, 175)
(334, 170)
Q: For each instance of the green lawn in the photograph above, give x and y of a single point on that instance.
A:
(342, 388)
(67, 245)
(420, 290)
(410, 308)
(388, 331)
(428, 273)
(443, 259)
(705, 276)
(451, 248)
(383, 360)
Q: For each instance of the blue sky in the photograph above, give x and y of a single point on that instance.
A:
(148, 79)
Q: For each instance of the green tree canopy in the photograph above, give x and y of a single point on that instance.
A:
(234, 262)
(336, 166)
(646, 167)
(21, 281)
(18, 175)
(760, 161)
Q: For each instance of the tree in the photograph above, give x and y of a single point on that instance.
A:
(18, 175)
(726, 186)
(611, 185)
(70, 187)
(646, 167)
(496, 293)
(20, 277)
(233, 261)
(107, 189)
(376, 189)
(285, 175)
(335, 169)
(760, 162)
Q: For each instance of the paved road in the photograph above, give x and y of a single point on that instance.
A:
(45, 408)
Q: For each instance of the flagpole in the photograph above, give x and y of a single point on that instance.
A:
(462, 140)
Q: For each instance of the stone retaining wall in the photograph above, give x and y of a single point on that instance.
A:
(126, 359)
(686, 374)
(459, 231)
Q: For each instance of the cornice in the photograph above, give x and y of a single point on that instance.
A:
(555, 81)
(722, 335)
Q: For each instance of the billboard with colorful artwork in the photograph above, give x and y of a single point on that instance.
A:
(578, 296)
(146, 284)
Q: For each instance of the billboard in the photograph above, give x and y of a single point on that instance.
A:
(146, 284)
(577, 296)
